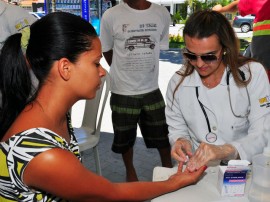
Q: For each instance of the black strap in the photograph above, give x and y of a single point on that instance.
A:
(204, 112)
(241, 73)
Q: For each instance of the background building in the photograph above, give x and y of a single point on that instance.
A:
(171, 5)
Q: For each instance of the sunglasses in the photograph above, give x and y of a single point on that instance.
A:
(207, 58)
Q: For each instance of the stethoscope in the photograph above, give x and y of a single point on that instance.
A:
(211, 137)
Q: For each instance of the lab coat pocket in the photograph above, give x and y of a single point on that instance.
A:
(240, 127)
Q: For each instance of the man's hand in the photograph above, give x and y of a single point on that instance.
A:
(217, 7)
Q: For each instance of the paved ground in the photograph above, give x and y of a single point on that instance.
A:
(112, 165)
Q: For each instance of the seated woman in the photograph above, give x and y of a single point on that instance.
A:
(218, 101)
(39, 156)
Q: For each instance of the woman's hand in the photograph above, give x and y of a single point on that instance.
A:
(182, 150)
(184, 178)
(207, 152)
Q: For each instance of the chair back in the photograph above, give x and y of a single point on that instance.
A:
(94, 108)
(88, 134)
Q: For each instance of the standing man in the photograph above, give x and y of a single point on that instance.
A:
(132, 35)
(260, 44)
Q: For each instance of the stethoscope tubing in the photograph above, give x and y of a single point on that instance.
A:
(242, 74)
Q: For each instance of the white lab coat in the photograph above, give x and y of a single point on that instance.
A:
(186, 118)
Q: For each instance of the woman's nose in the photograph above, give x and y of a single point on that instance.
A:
(102, 71)
(199, 62)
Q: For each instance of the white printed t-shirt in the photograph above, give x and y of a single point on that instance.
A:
(136, 38)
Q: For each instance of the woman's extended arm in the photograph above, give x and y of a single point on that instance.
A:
(60, 173)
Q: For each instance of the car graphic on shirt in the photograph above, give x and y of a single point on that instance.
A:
(139, 42)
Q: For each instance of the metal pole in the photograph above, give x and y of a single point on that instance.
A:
(53, 6)
(99, 9)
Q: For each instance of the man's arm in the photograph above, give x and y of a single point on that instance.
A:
(232, 7)
(108, 56)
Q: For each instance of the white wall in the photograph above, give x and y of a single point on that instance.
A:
(170, 3)
(167, 1)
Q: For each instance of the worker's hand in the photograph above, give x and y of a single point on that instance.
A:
(217, 7)
(182, 150)
(207, 152)
(184, 178)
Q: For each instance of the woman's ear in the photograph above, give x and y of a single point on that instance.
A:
(64, 68)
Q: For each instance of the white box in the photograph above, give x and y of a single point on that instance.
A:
(232, 178)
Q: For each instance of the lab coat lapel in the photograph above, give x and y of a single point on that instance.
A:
(204, 98)
(197, 82)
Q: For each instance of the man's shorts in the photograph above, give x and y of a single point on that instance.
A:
(147, 110)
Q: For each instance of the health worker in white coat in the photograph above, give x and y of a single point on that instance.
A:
(218, 101)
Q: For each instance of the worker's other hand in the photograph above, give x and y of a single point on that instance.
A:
(207, 152)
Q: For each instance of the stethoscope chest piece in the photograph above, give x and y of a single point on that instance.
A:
(211, 137)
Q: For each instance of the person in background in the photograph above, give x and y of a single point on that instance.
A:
(132, 34)
(40, 158)
(13, 19)
(260, 43)
(217, 102)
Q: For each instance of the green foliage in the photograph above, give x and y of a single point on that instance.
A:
(206, 4)
(244, 42)
(177, 18)
(176, 38)
(180, 45)
(183, 21)
(182, 9)
(176, 41)
(211, 4)
(193, 4)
